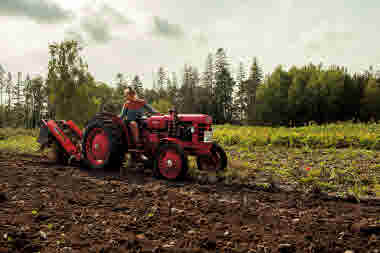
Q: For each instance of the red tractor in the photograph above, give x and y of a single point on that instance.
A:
(168, 140)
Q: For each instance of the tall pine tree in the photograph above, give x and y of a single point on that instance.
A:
(137, 86)
(255, 80)
(8, 99)
(223, 88)
(18, 111)
(187, 92)
(2, 84)
(241, 94)
(173, 90)
(208, 83)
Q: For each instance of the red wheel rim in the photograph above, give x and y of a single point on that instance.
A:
(211, 163)
(97, 146)
(170, 164)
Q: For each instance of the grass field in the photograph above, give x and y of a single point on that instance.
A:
(18, 140)
(342, 158)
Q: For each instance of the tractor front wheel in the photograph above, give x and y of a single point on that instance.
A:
(171, 163)
(215, 162)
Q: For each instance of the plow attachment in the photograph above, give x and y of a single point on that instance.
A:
(64, 136)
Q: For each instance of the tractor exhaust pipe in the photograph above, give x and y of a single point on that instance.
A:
(173, 122)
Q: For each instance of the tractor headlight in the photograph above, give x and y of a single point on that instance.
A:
(208, 136)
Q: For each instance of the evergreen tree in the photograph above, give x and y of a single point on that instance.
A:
(162, 82)
(223, 92)
(208, 78)
(241, 96)
(162, 78)
(223, 88)
(208, 83)
(255, 80)
(18, 110)
(221, 62)
(2, 84)
(137, 86)
(8, 91)
(186, 90)
(38, 98)
(173, 90)
(174, 80)
(190, 81)
(28, 102)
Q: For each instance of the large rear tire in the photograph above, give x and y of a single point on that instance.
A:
(170, 163)
(102, 145)
(216, 162)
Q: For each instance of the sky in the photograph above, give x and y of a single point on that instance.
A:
(138, 36)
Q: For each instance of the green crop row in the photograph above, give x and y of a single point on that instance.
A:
(359, 135)
(6, 133)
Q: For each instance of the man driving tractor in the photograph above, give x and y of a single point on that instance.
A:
(132, 108)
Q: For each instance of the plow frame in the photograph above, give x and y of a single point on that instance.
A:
(50, 131)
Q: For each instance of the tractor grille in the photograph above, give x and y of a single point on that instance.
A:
(201, 129)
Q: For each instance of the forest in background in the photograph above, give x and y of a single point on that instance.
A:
(284, 97)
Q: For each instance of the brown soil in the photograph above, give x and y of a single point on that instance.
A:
(45, 207)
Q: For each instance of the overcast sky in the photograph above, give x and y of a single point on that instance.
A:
(137, 36)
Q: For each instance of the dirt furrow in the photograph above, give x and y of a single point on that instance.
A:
(50, 208)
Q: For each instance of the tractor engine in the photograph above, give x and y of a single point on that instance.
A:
(187, 128)
(174, 137)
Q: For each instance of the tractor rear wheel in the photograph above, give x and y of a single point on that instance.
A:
(171, 163)
(216, 162)
(102, 145)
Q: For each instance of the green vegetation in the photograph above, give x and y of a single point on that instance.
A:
(343, 171)
(18, 140)
(162, 106)
(338, 135)
(343, 157)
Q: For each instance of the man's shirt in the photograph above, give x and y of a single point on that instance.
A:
(132, 109)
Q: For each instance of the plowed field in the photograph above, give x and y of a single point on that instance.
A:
(45, 207)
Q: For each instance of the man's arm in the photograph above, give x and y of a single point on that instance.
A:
(124, 111)
(150, 109)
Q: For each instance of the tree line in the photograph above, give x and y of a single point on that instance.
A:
(284, 97)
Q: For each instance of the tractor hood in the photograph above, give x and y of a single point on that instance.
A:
(195, 118)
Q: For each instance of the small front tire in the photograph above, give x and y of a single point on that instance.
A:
(171, 163)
